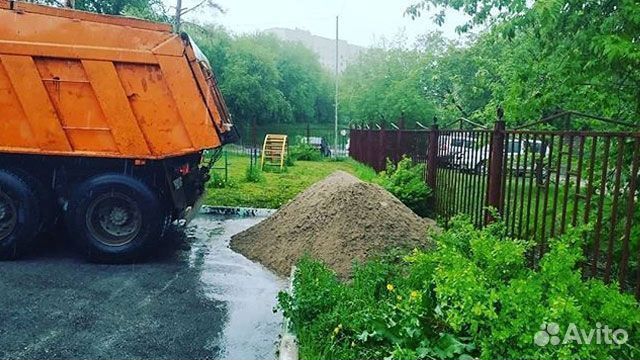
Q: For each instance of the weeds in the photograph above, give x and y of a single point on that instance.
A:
(405, 181)
(473, 297)
(254, 174)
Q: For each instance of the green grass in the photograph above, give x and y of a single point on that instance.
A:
(276, 188)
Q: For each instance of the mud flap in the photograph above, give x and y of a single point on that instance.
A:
(192, 211)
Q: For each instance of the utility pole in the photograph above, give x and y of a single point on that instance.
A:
(178, 14)
(335, 142)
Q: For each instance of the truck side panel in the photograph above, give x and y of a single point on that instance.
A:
(127, 134)
(31, 95)
(107, 91)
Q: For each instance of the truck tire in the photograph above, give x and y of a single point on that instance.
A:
(115, 218)
(49, 209)
(21, 218)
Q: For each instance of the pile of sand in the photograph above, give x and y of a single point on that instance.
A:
(338, 220)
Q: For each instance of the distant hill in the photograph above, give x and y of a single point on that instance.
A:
(324, 47)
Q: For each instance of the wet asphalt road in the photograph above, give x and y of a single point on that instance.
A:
(202, 301)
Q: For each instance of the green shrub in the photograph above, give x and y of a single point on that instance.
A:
(253, 174)
(406, 182)
(474, 296)
(491, 294)
(305, 152)
(289, 160)
(217, 181)
(375, 316)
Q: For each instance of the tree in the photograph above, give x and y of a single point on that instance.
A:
(183, 10)
(384, 85)
(266, 80)
(111, 7)
(251, 84)
(154, 10)
(146, 9)
(305, 84)
(569, 54)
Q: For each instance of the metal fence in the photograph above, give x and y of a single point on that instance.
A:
(540, 182)
(252, 136)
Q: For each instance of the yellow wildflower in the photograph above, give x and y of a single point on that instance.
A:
(390, 287)
(399, 298)
(414, 295)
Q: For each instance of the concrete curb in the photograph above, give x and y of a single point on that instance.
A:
(288, 349)
(236, 211)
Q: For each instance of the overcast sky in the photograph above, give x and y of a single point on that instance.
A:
(362, 22)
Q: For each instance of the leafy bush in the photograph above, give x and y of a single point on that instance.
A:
(474, 296)
(305, 152)
(217, 181)
(253, 174)
(406, 182)
(488, 291)
(289, 160)
(375, 316)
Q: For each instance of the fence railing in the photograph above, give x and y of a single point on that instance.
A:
(540, 182)
(252, 136)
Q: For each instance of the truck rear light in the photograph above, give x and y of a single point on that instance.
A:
(184, 169)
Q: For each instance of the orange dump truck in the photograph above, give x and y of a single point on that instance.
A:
(103, 122)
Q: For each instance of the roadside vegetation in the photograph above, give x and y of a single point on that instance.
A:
(473, 297)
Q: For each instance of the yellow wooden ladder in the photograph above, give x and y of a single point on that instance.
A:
(274, 150)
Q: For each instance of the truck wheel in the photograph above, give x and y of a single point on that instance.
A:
(115, 218)
(20, 215)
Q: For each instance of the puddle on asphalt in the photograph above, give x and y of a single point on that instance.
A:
(252, 328)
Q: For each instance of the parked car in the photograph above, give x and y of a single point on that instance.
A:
(453, 147)
(520, 158)
(319, 143)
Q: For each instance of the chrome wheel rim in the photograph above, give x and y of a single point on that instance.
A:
(114, 219)
(8, 216)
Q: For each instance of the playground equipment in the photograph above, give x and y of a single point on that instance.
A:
(274, 151)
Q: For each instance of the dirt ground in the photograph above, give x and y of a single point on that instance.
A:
(204, 302)
(338, 220)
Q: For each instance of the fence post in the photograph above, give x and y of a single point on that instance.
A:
(369, 149)
(432, 158)
(399, 150)
(382, 160)
(494, 188)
